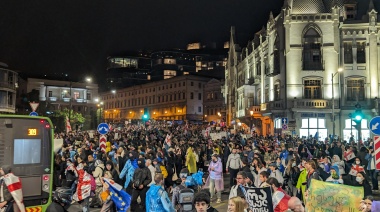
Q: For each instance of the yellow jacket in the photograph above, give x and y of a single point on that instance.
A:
(191, 162)
(108, 146)
(302, 179)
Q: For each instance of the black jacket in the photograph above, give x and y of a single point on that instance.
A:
(142, 176)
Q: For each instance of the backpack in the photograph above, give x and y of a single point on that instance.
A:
(164, 171)
(93, 183)
(186, 197)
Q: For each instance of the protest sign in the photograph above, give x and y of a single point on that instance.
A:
(58, 142)
(259, 199)
(325, 196)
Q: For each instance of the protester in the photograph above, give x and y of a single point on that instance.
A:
(191, 162)
(175, 198)
(371, 168)
(236, 204)
(215, 179)
(202, 202)
(274, 172)
(107, 205)
(279, 197)
(141, 179)
(11, 195)
(157, 199)
(295, 205)
(233, 165)
(240, 181)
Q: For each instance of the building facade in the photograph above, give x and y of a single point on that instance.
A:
(177, 98)
(213, 103)
(287, 80)
(55, 95)
(8, 89)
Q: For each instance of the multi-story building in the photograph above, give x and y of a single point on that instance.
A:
(8, 86)
(288, 74)
(213, 102)
(55, 95)
(128, 70)
(177, 98)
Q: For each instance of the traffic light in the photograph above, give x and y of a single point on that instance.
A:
(145, 117)
(358, 115)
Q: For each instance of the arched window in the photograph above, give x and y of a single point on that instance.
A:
(312, 55)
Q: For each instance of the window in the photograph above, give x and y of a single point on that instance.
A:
(199, 109)
(184, 83)
(183, 96)
(50, 93)
(76, 95)
(199, 96)
(258, 68)
(360, 52)
(169, 74)
(277, 91)
(191, 95)
(266, 93)
(191, 83)
(169, 61)
(312, 55)
(355, 90)
(348, 58)
(312, 89)
(199, 85)
(28, 151)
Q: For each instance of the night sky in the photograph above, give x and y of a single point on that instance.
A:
(75, 37)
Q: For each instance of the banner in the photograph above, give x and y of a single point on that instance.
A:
(259, 199)
(324, 196)
(58, 142)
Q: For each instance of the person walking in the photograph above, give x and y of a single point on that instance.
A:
(215, 179)
(141, 179)
(233, 165)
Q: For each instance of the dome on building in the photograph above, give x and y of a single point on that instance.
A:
(314, 6)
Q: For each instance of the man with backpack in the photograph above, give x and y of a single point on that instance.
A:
(141, 179)
(182, 198)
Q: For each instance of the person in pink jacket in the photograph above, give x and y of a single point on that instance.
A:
(215, 179)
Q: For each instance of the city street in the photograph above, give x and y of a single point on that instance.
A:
(219, 206)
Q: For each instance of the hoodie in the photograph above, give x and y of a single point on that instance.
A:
(339, 163)
(331, 179)
(217, 173)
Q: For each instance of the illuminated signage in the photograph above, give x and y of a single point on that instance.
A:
(32, 131)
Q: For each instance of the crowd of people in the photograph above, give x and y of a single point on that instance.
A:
(153, 163)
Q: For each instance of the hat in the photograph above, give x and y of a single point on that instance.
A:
(250, 176)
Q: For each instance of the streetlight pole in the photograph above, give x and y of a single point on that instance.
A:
(70, 104)
(333, 100)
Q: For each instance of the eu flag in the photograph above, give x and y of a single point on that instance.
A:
(120, 198)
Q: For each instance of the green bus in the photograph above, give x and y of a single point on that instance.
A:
(26, 143)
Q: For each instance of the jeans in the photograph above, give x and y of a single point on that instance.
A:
(233, 174)
(135, 194)
(213, 189)
(375, 181)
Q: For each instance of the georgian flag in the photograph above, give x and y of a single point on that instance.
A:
(84, 184)
(168, 140)
(68, 125)
(348, 155)
(15, 188)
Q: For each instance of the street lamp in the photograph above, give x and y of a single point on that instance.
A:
(333, 99)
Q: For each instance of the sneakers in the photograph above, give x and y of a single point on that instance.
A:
(218, 201)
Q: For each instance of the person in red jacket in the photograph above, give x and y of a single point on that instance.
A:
(279, 198)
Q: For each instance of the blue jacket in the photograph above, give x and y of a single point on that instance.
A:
(128, 171)
(157, 200)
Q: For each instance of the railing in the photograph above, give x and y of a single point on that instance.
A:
(314, 103)
(7, 107)
(7, 85)
(276, 105)
(79, 100)
(53, 99)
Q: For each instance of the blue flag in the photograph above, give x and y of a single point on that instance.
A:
(120, 198)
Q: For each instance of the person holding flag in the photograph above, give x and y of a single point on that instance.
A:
(83, 192)
(11, 191)
(120, 198)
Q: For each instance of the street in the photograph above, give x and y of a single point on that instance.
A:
(219, 206)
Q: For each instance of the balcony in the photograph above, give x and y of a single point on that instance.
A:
(79, 100)
(7, 108)
(53, 99)
(314, 104)
(65, 99)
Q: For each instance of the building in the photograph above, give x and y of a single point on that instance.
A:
(176, 98)
(8, 88)
(55, 95)
(213, 102)
(131, 69)
(288, 74)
